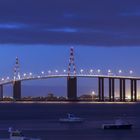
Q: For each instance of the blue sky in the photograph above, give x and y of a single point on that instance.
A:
(37, 58)
(105, 35)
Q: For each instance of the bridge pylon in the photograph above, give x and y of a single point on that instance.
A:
(17, 82)
(17, 70)
(72, 80)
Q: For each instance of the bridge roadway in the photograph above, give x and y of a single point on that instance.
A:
(72, 85)
(40, 77)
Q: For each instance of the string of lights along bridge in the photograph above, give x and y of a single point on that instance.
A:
(72, 74)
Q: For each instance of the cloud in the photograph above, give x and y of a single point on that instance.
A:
(86, 22)
(66, 30)
(11, 26)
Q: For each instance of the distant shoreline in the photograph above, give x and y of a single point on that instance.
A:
(65, 102)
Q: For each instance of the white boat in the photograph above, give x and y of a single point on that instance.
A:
(71, 118)
(17, 135)
(118, 124)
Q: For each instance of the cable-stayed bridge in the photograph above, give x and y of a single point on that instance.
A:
(72, 75)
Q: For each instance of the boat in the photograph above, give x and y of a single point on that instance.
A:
(17, 135)
(118, 124)
(71, 118)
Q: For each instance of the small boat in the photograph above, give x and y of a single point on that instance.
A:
(71, 119)
(17, 135)
(118, 124)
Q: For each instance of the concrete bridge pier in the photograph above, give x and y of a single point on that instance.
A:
(132, 89)
(111, 89)
(133, 86)
(102, 79)
(101, 88)
(1, 91)
(17, 90)
(135, 90)
(122, 90)
(72, 88)
(120, 80)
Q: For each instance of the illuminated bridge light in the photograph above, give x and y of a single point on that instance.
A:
(30, 74)
(81, 71)
(91, 71)
(18, 76)
(7, 78)
(49, 71)
(131, 72)
(120, 71)
(109, 71)
(24, 74)
(64, 71)
(14, 78)
(2, 79)
(38, 76)
(56, 71)
(42, 72)
(99, 71)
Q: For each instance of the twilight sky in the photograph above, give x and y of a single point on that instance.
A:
(104, 33)
(83, 22)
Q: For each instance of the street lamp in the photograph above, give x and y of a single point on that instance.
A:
(8, 78)
(93, 93)
(42, 72)
(91, 71)
(56, 71)
(131, 72)
(18, 76)
(81, 71)
(109, 72)
(120, 71)
(30, 74)
(64, 71)
(49, 71)
(98, 71)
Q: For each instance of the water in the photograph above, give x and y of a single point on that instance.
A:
(41, 120)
